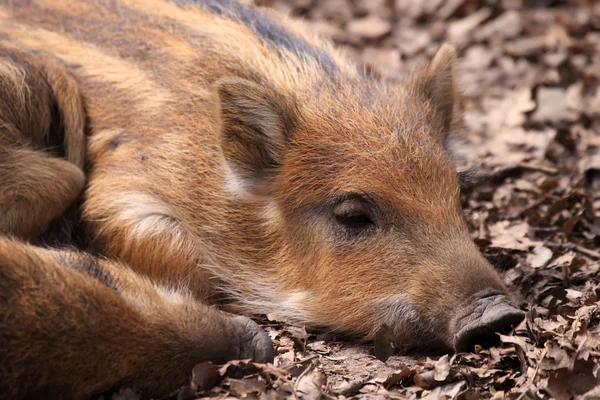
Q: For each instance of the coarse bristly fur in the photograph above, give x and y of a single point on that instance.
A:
(232, 158)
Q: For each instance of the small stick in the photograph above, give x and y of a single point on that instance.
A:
(578, 248)
(537, 167)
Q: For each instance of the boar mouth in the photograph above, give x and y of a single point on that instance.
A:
(491, 313)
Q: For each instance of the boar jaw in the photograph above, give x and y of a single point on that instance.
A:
(490, 314)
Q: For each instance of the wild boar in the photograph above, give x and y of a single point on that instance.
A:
(236, 159)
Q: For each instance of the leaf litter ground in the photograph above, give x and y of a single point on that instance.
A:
(530, 73)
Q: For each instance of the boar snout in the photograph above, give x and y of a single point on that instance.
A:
(491, 313)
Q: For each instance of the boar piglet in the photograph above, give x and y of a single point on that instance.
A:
(234, 161)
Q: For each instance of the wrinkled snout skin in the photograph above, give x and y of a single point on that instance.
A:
(491, 312)
(234, 155)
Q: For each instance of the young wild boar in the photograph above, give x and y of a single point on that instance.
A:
(233, 159)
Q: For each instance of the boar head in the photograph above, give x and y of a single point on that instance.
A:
(359, 208)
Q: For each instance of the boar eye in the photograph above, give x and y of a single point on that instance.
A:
(353, 215)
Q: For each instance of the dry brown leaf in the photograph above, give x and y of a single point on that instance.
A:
(510, 113)
(458, 31)
(539, 257)
(309, 385)
(449, 391)
(442, 368)
(511, 236)
(506, 26)
(552, 106)
(243, 387)
(371, 27)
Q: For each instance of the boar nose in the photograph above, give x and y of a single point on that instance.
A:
(491, 313)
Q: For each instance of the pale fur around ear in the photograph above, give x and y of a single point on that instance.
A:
(255, 124)
(437, 84)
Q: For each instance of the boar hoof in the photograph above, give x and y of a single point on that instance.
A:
(254, 343)
(489, 316)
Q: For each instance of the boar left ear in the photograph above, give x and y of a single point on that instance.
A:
(437, 84)
(256, 122)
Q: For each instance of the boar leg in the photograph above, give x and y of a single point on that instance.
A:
(34, 189)
(72, 325)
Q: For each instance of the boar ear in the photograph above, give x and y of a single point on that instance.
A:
(255, 125)
(437, 84)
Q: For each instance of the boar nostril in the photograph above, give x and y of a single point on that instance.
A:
(489, 316)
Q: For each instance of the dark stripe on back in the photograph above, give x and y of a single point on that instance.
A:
(90, 265)
(268, 30)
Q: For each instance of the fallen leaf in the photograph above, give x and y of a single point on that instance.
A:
(458, 31)
(371, 27)
(309, 385)
(552, 106)
(540, 257)
(442, 368)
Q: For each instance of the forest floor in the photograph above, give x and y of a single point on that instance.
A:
(530, 73)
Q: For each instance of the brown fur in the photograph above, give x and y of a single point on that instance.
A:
(73, 325)
(40, 112)
(254, 166)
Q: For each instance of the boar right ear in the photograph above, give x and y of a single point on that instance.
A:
(255, 125)
(437, 84)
